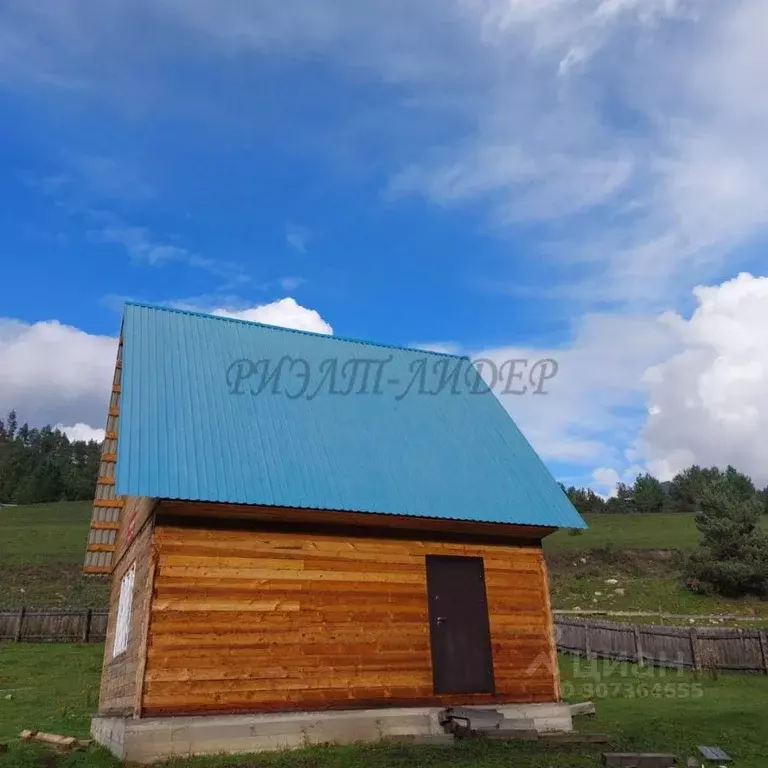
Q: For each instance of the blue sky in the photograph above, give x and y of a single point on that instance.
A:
(506, 178)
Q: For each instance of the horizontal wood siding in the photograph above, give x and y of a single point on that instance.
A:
(244, 620)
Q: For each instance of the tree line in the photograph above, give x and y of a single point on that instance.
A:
(732, 556)
(683, 494)
(43, 465)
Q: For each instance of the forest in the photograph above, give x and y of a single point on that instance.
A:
(43, 464)
(682, 494)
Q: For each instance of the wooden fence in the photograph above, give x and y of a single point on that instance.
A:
(66, 625)
(725, 648)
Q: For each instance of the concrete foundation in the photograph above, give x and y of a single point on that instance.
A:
(151, 739)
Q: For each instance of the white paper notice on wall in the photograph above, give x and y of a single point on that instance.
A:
(124, 612)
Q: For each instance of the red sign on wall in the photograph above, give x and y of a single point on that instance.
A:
(130, 531)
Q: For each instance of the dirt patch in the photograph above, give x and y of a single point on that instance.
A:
(662, 563)
(51, 585)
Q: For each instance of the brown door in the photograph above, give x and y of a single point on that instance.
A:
(460, 635)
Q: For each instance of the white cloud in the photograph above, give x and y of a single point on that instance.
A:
(290, 283)
(286, 313)
(653, 393)
(140, 244)
(593, 405)
(709, 401)
(54, 373)
(446, 347)
(144, 247)
(297, 237)
(81, 431)
(637, 118)
(605, 481)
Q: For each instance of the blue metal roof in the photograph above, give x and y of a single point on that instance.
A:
(203, 416)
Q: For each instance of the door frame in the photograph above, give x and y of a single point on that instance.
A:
(432, 618)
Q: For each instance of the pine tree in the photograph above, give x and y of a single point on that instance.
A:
(740, 486)
(649, 496)
(688, 486)
(733, 557)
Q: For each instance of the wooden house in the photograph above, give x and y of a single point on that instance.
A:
(295, 522)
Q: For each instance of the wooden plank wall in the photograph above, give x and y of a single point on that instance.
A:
(136, 511)
(255, 621)
(121, 676)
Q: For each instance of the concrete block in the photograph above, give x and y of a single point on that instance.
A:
(148, 740)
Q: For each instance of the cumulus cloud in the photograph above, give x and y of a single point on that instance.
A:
(54, 374)
(605, 480)
(593, 404)
(652, 393)
(708, 403)
(286, 313)
(81, 431)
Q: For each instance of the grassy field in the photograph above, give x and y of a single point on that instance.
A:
(54, 688)
(623, 532)
(645, 580)
(43, 533)
(41, 557)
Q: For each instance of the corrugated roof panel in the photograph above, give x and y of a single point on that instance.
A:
(195, 424)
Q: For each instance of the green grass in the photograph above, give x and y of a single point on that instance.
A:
(647, 580)
(631, 532)
(48, 687)
(42, 547)
(53, 688)
(42, 533)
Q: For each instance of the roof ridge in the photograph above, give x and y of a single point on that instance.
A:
(207, 315)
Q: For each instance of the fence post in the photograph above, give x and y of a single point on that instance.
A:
(638, 645)
(20, 624)
(86, 636)
(587, 643)
(695, 648)
(763, 650)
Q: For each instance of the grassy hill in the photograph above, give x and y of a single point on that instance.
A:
(42, 546)
(41, 557)
(630, 532)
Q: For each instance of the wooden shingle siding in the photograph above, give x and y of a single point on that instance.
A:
(101, 546)
(248, 620)
(121, 676)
